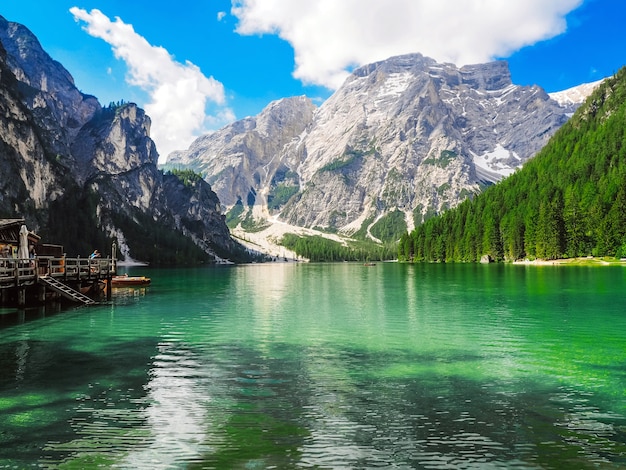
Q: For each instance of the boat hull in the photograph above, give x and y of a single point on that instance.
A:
(129, 281)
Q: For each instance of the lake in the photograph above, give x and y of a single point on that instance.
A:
(324, 366)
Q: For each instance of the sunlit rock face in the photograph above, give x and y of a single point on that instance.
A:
(406, 134)
(47, 88)
(245, 156)
(56, 141)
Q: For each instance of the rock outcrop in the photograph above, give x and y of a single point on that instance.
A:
(241, 160)
(70, 166)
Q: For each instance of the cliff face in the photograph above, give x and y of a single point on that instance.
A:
(406, 134)
(414, 135)
(27, 177)
(48, 90)
(241, 160)
(61, 151)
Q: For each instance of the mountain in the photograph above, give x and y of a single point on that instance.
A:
(569, 201)
(575, 95)
(401, 140)
(83, 175)
(238, 159)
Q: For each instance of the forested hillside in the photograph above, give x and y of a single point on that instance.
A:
(569, 201)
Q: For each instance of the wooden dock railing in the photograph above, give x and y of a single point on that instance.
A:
(20, 272)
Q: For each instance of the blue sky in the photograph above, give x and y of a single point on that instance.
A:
(196, 65)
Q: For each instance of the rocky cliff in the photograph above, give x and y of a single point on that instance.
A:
(413, 135)
(84, 175)
(406, 136)
(241, 160)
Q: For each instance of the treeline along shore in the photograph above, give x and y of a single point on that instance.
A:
(567, 202)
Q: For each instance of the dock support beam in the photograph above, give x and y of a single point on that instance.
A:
(41, 293)
(21, 297)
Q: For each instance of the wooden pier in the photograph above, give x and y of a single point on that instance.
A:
(36, 280)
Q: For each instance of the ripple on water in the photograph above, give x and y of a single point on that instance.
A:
(393, 367)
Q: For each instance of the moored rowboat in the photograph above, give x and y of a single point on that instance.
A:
(128, 281)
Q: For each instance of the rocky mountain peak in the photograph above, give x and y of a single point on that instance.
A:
(50, 91)
(243, 157)
(62, 153)
(489, 77)
(405, 63)
(576, 95)
(117, 140)
(29, 62)
(407, 135)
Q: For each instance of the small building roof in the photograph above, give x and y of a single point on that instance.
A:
(10, 231)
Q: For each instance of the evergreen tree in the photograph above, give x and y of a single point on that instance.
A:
(570, 200)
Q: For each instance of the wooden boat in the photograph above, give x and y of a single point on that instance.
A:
(129, 281)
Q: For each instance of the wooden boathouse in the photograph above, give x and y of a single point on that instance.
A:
(34, 273)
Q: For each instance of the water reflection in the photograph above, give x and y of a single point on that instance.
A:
(245, 409)
(175, 410)
(12, 317)
(327, 366)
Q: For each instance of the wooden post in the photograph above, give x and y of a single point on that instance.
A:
(109, 287)
(41, 293)
(21, 296)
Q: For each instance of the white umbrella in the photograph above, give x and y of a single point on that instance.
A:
(114, 256)
(22, 252)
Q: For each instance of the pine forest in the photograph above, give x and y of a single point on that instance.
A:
(568, 201)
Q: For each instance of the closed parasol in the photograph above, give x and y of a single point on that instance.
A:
(22, 252)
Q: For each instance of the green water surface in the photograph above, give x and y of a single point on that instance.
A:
(324, 366)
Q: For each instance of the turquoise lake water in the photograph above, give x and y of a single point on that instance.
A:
(324, 366)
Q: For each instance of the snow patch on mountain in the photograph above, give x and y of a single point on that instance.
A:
(396, 84)
(574, 95)
(497, 164)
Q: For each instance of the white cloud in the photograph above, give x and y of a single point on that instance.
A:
(179, 93)
(329, 36)
(221, 15)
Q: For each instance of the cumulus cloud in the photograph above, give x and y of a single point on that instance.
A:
(180, 94)
(330, 37)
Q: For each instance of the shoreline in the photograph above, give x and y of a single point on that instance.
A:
(580, 261)
(131, 263)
